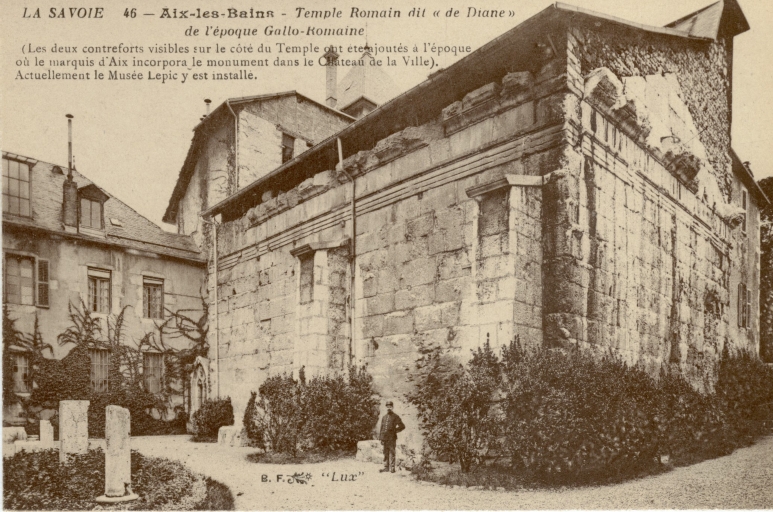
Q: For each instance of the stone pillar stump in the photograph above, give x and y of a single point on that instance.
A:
(73, 427)
(118, 478)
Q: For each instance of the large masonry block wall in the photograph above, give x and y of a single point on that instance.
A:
(703, 69)
(420, 233)
(638, 258)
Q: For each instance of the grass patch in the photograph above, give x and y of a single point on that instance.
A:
(36, 481)
(300, 458)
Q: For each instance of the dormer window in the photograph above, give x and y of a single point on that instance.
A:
(92, 201)
(91, 213)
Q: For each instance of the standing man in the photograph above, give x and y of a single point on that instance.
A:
(391, 424)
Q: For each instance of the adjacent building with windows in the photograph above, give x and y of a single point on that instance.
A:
(66, 242)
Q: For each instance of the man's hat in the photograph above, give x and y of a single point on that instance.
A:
(389, 402)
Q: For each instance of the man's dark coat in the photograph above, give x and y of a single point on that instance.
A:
(391, 424)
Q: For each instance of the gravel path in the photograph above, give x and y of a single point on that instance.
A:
(743, 479)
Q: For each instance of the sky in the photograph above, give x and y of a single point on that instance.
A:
(131, 137)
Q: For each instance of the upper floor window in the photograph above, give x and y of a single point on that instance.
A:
(19, 279)
(91, 213)
(100, 369)
(152, 297)
(22, 381)
(153, 364)
(99, 291)
(288, 147)
(744, 205)
(16, 188)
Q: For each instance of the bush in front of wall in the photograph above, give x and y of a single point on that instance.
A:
(745, 390)
(273, 418)
(212, 415)
(456, 404)
(337, 413)
(326, 414)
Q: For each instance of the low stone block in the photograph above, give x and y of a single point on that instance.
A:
(232, 435)
(11, 434)
(373, 451)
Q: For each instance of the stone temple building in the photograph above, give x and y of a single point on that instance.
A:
(572, 182)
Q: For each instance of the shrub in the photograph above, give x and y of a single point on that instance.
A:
(138, 402)
(745, 390)
(274, 420)
(338, 413)
(329, 413)
(212, 415)
(572, 416)
(37, 481)
(455, 404)
(692, 426)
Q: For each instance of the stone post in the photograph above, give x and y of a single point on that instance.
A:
(118, 478)
(73, 427)
(46, 433)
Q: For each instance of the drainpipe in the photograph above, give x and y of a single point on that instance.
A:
(353, 249)
(214, 225)
(236, 141)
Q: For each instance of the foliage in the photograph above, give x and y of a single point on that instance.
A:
(573, 416)
(275, 420)
(766, 274)
(338, 412)
(34, 347)
(212, 415)
(745, 389)
(692, 426)
(70, 378)
(456, 404)
(328, 414)
(37, 481)
(563, 417)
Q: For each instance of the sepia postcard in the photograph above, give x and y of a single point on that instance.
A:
(387, 255)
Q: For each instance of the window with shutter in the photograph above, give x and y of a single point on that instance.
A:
(43, 298)
(741, 304)
(19, 282)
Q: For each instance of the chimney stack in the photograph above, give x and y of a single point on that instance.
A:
(70, 188)
(207, 102)
(331, 79)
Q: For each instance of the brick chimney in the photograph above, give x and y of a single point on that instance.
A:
(331, 78)
(70, 188)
